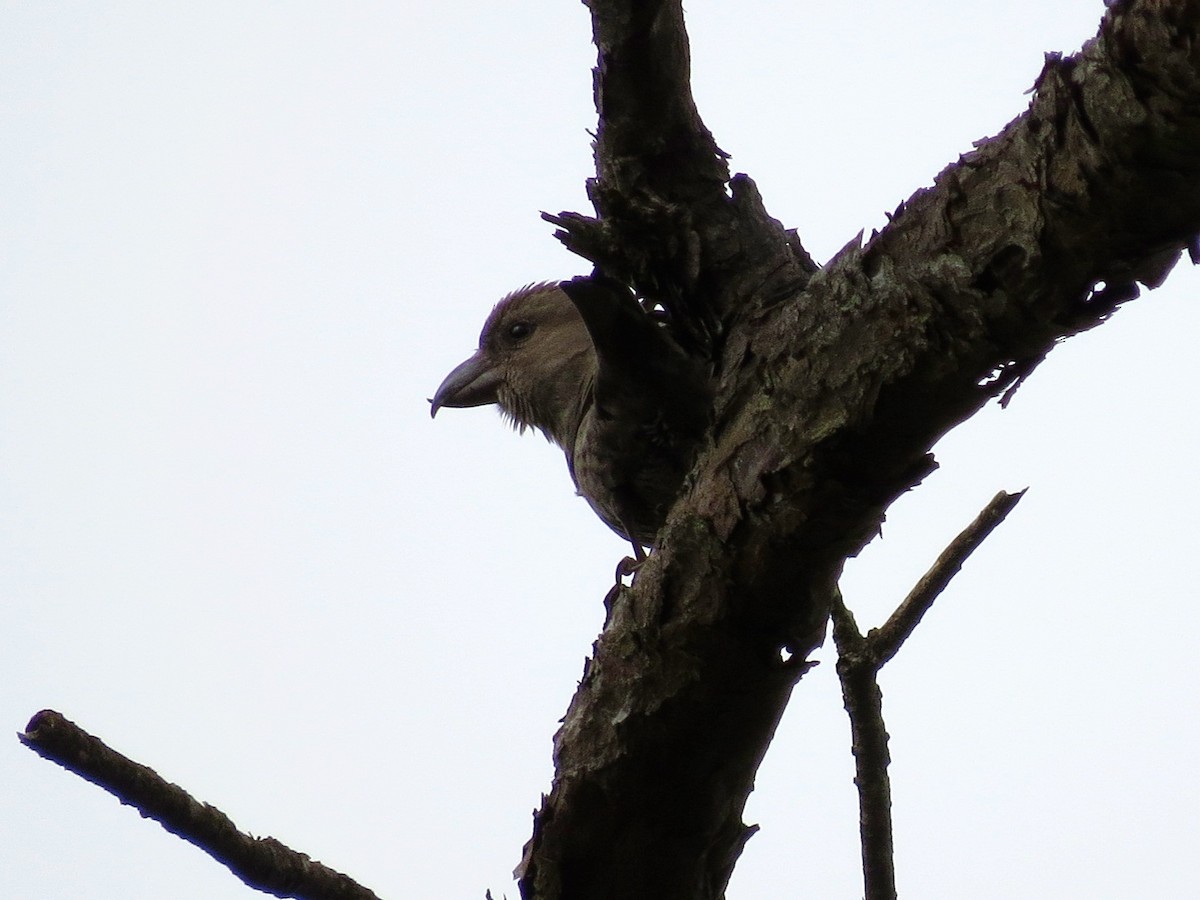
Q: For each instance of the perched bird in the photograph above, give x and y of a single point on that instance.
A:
(583, 363)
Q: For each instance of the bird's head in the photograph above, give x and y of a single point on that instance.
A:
(535, 361)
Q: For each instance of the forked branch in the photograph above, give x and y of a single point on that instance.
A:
(859, 661)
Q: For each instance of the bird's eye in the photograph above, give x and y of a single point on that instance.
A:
(518, 331)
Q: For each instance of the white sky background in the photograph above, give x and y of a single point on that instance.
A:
(242, 243)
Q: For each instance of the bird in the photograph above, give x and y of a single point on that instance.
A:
(583, 363)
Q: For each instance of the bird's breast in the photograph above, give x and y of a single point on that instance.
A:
(630, 473)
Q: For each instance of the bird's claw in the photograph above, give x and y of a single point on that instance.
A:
(629, 565)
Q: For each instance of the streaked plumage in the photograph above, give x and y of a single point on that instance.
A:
(585, 365)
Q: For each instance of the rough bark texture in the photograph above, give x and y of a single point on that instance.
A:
(833, 387)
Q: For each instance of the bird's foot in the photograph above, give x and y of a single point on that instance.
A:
(630, 564)
(626, 567)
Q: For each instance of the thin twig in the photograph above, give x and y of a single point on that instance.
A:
(869, 743)
(859, 661)
(262, 863)
(888, 638)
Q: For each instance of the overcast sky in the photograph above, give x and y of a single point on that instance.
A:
(241, 243)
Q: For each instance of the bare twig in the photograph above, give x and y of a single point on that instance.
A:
(869, 744)
(859, 661)
(887, 639)
(262, 863)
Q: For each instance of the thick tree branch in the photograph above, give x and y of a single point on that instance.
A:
(670, 221)
(829, 400)
(262, 863)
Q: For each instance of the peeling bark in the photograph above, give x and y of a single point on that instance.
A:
(833, 388)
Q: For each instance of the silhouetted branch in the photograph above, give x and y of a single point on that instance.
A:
(828, 401)
(262, 863)
(869, 743)
(859, 661)
(885, 641)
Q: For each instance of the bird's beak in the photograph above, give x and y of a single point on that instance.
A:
(475, 382)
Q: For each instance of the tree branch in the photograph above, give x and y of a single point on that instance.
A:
(858, 665)
(829, 399)
(886, 641)
(262, 863)
(869, 744)
(669, 219)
